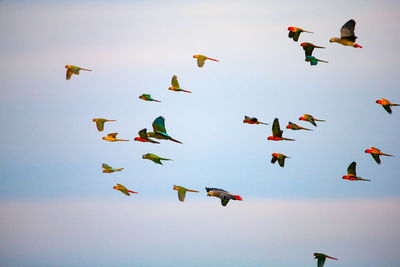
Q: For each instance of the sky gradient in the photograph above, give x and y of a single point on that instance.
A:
(51, 152)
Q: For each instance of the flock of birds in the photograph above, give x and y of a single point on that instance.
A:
(347, 38)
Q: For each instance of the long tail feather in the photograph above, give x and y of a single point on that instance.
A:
(120, 169)
(213, 59)
(85, 69)
(319, 46)
(358, 46)
(288, 139)
(307, 31)
(121, 140)
(164, 159)
(157, 101)
(307, 129)
(395, 104)
(190, 190)
(263, 123)
(318, 120)
(383, 154)
(323, 61)
(331, 258)
(186, 91)
(133, 192)
(176, 141)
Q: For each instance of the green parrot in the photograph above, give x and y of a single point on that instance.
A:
(309, 48)
(182, 192)
(154, 158)
(100, 123)
(201, 59)
(309, 118)
(109, 169)
(294, 126)
(321, 259)
(147, 97)
(123, 189)
(175, 85)
(71, 69)
(313, 60)
(280, 158)
(159, 131)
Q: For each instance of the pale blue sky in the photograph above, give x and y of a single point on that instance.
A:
(51, 152)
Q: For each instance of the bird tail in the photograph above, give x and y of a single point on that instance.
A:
(362, 179)
(288, 139)
(383, 154)
(164, 159)
(263, 123)
(110, 120)
(186, 91)
(307, 129)
(394, 104)
(320, 60)
(331, 258)
(157, 100)
(190, 190)
(319, 46)
(318, 120)
(237, 197)
(85, 69)
(357, 46)
(307, 31)
(120, 169)
(133, 192)
(176, 141)
(121, 140)
(213, 59)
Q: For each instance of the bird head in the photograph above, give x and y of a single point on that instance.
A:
(378, 101)
(67, 66)
(195, 56)
(274, 154)
(345, 176)
(302, 118)
(171, 88)
(332, 40)
(104, 138)
(270, 138)
(289, 126)
(210, 193)
(115, 187)
(368, 151)
(316, 255)
(137, 139)
(144, 156)
(290, 28)
(176, 187)
(95, 119)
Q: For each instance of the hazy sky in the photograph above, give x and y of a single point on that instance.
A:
(58, 208)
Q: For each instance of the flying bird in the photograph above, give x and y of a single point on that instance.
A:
(351, 173)
(277, 132)
(222, 194)
(175, 85)
(112, 137)
(109, 169)
(296, 127)
(100, 123)
(144, 138)
(154, 158)
(294, 33)
(386, 104)
(159, 131)
(252, 121)
(313, 60)
(321, 259)
(71, 69)
(123, 189)
(201, 60)
(147, 97)
(347, 36)
(309, 48)
(309, 118)
(280, 158)
(182, 192)
(375, 153)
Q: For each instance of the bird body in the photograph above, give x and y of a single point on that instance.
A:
(351, 173)
(375, 153)
(123, 189)
(154, 158)
(296, 127)
(294, 33)
(159, 131)
(147, 97)
(313, 60)
(100, 123)
(252, 121)
(280, 158)
(277, 132)
(321, 259)
(144, 138)
(386, 104)
(201, 60)
(71, 69)
(309, 48)
(182, 192)
(109, 169)
(347, 36)
(112, 137)
(309, 118)
(175, 85)
(222, 194)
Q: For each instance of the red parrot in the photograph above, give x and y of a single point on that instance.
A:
(375, 153)
(386, 104)
(294, 33)
(277, 132)
(351, 173)
(310, 119)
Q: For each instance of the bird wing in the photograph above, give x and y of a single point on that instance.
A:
(274, 159)
(296, 36)
(143, 133)
(254, 119)
(181, 194)
(174, 81)
(146, 95)
(276, 130)
(387, 108)
(113, 135)
(159, 125)
(321, 261)
(308, 50)
(291, 34)
(105, 166)
(351, 170)
(281, 161)
(376, 158)
(375, 148)
(100, 125)
(224, 201)
(208, 189)
(123, 189)
(200, 61)
(69, 74)
(347, 31)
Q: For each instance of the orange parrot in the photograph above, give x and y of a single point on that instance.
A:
(375, 153)
(386, 104)
(277, 132)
